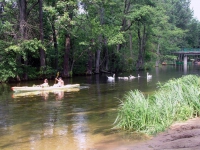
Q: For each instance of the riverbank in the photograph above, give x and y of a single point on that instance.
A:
(180, 136)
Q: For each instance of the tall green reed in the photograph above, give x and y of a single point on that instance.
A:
(177, 99)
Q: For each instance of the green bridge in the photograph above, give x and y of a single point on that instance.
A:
(188, 51)
(185, 52)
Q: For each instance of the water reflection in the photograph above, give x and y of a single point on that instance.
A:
(59, 95)
(185, 66)
(44, 94)
(79, 128)
(149, 80)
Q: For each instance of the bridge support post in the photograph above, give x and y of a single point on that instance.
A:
(185, 64)
(185, 60)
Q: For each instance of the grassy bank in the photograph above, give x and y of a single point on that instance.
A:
(177, 99)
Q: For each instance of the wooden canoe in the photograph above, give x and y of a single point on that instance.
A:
(50, 88)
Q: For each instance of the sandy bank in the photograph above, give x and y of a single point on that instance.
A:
(180, 136)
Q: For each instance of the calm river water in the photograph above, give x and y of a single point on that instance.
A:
(77, 120)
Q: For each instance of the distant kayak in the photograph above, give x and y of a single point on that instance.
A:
(38, 88)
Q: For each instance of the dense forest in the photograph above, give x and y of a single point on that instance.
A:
(83, 37)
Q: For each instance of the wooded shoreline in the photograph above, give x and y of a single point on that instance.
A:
(41, 37)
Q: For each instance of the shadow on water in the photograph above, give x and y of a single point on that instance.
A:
(81, 119)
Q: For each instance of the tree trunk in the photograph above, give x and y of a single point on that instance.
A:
(19, 63)
(158, 54)
(66, 56)
(107, 58)
(55, 44)
(130, 40)
(42, 52)
(105, 61)
(90, 59)
(141, 43)
(89, 63)
(22, 31)
(25, 70)
(98, 53)
(131, 44)
(127, 4)
(23, 18)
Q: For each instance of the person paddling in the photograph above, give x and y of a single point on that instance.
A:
(60, 82)
(45, 84)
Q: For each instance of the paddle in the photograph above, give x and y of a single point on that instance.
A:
(56, 76)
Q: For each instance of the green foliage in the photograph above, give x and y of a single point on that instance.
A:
(130, 60)
(9, 65)
(113, 35)
(6, 26)
(46, 72)
(50, 10)
(15, 48)
(148, 65)
(32, 45)
(168, 58)
(193, 36)
(177, 99)
(116, 39)
(104, 25)
(119, 63)
(32, 72)
(8, 68)
(5, 74)
(142, 12)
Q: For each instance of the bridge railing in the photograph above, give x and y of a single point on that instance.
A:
(190, 49)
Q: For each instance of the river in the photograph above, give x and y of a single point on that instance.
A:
(77, 120)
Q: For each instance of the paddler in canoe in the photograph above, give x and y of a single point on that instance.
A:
(45, 84)
(60, 82)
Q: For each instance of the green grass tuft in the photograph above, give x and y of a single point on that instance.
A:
(177, 99)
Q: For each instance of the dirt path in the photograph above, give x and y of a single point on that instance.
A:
(180, 136)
